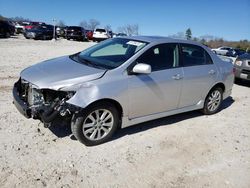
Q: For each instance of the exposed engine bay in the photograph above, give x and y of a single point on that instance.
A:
(44, 104)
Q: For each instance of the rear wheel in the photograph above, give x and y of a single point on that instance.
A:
(237, 80)
(213, 101)
(7, 35)
(96, 125)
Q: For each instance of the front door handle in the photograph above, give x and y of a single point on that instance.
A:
(211, 72)
(177, 77)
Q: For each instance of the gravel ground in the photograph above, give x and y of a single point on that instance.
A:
(186, 150)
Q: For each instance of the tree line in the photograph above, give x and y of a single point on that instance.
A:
(212, 41)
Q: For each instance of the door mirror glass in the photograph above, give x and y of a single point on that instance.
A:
(142, 68)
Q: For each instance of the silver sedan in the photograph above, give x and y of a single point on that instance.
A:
(121, 82)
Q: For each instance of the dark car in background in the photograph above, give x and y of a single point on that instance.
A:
(6, 29)
(75, 33)
(44, 32)
(235, 52)
(111, 34)
(242, 67)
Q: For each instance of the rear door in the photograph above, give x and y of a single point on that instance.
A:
(158, 91)
(199, 74)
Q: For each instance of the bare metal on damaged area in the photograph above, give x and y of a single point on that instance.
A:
(121, 82)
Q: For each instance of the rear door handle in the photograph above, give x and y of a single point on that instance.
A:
(211, 72)
(177, 77)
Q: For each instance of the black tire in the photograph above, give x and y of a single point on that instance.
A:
(237, 80)
(79, 119)
(7, 35)
(206, 109)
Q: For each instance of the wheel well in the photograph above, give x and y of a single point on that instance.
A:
(114, 102)
(220, 85)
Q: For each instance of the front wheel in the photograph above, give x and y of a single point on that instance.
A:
(213, 101)
(96, 124)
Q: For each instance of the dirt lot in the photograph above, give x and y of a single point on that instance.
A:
(187, 150)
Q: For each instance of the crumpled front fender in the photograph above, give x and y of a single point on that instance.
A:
(90, 92)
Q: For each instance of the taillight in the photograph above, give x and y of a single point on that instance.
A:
(238, 62)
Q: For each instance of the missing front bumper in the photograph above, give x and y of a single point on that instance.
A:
(21, 106)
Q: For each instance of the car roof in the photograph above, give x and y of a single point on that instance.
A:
(161, 39)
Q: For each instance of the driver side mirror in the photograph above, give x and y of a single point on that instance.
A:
(142, 68)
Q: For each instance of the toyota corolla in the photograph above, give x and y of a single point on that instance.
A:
(121, 82)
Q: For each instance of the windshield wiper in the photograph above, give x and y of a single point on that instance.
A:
(90, 63)
(76, 58)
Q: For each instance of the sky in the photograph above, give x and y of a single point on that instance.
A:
(227, 19)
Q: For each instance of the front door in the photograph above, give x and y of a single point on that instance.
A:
(160, 90)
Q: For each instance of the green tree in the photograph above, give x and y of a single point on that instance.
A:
(188, 34)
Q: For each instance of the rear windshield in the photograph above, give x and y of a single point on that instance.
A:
(100, 30)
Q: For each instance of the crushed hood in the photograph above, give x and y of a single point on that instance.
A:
(60, 72)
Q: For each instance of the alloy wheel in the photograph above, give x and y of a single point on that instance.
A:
(214, 100)
(98, 124)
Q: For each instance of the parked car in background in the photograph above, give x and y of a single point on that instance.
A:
(121, 82)
(89, 34)
(19, 28)
(221, 50)
(120, 35)
(31, 25)
(75, 33)
(110, 34)
(60, 31)
(242, 67)
(235, 52)
(6, 29)
(44, 32)
(100, 34)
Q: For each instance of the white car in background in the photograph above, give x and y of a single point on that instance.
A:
(100, 34)
(221, 50)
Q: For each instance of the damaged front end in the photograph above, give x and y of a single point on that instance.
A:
(43, 104)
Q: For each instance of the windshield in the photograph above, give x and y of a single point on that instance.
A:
(111, 53)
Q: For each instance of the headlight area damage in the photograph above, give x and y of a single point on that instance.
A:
(43, 104)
